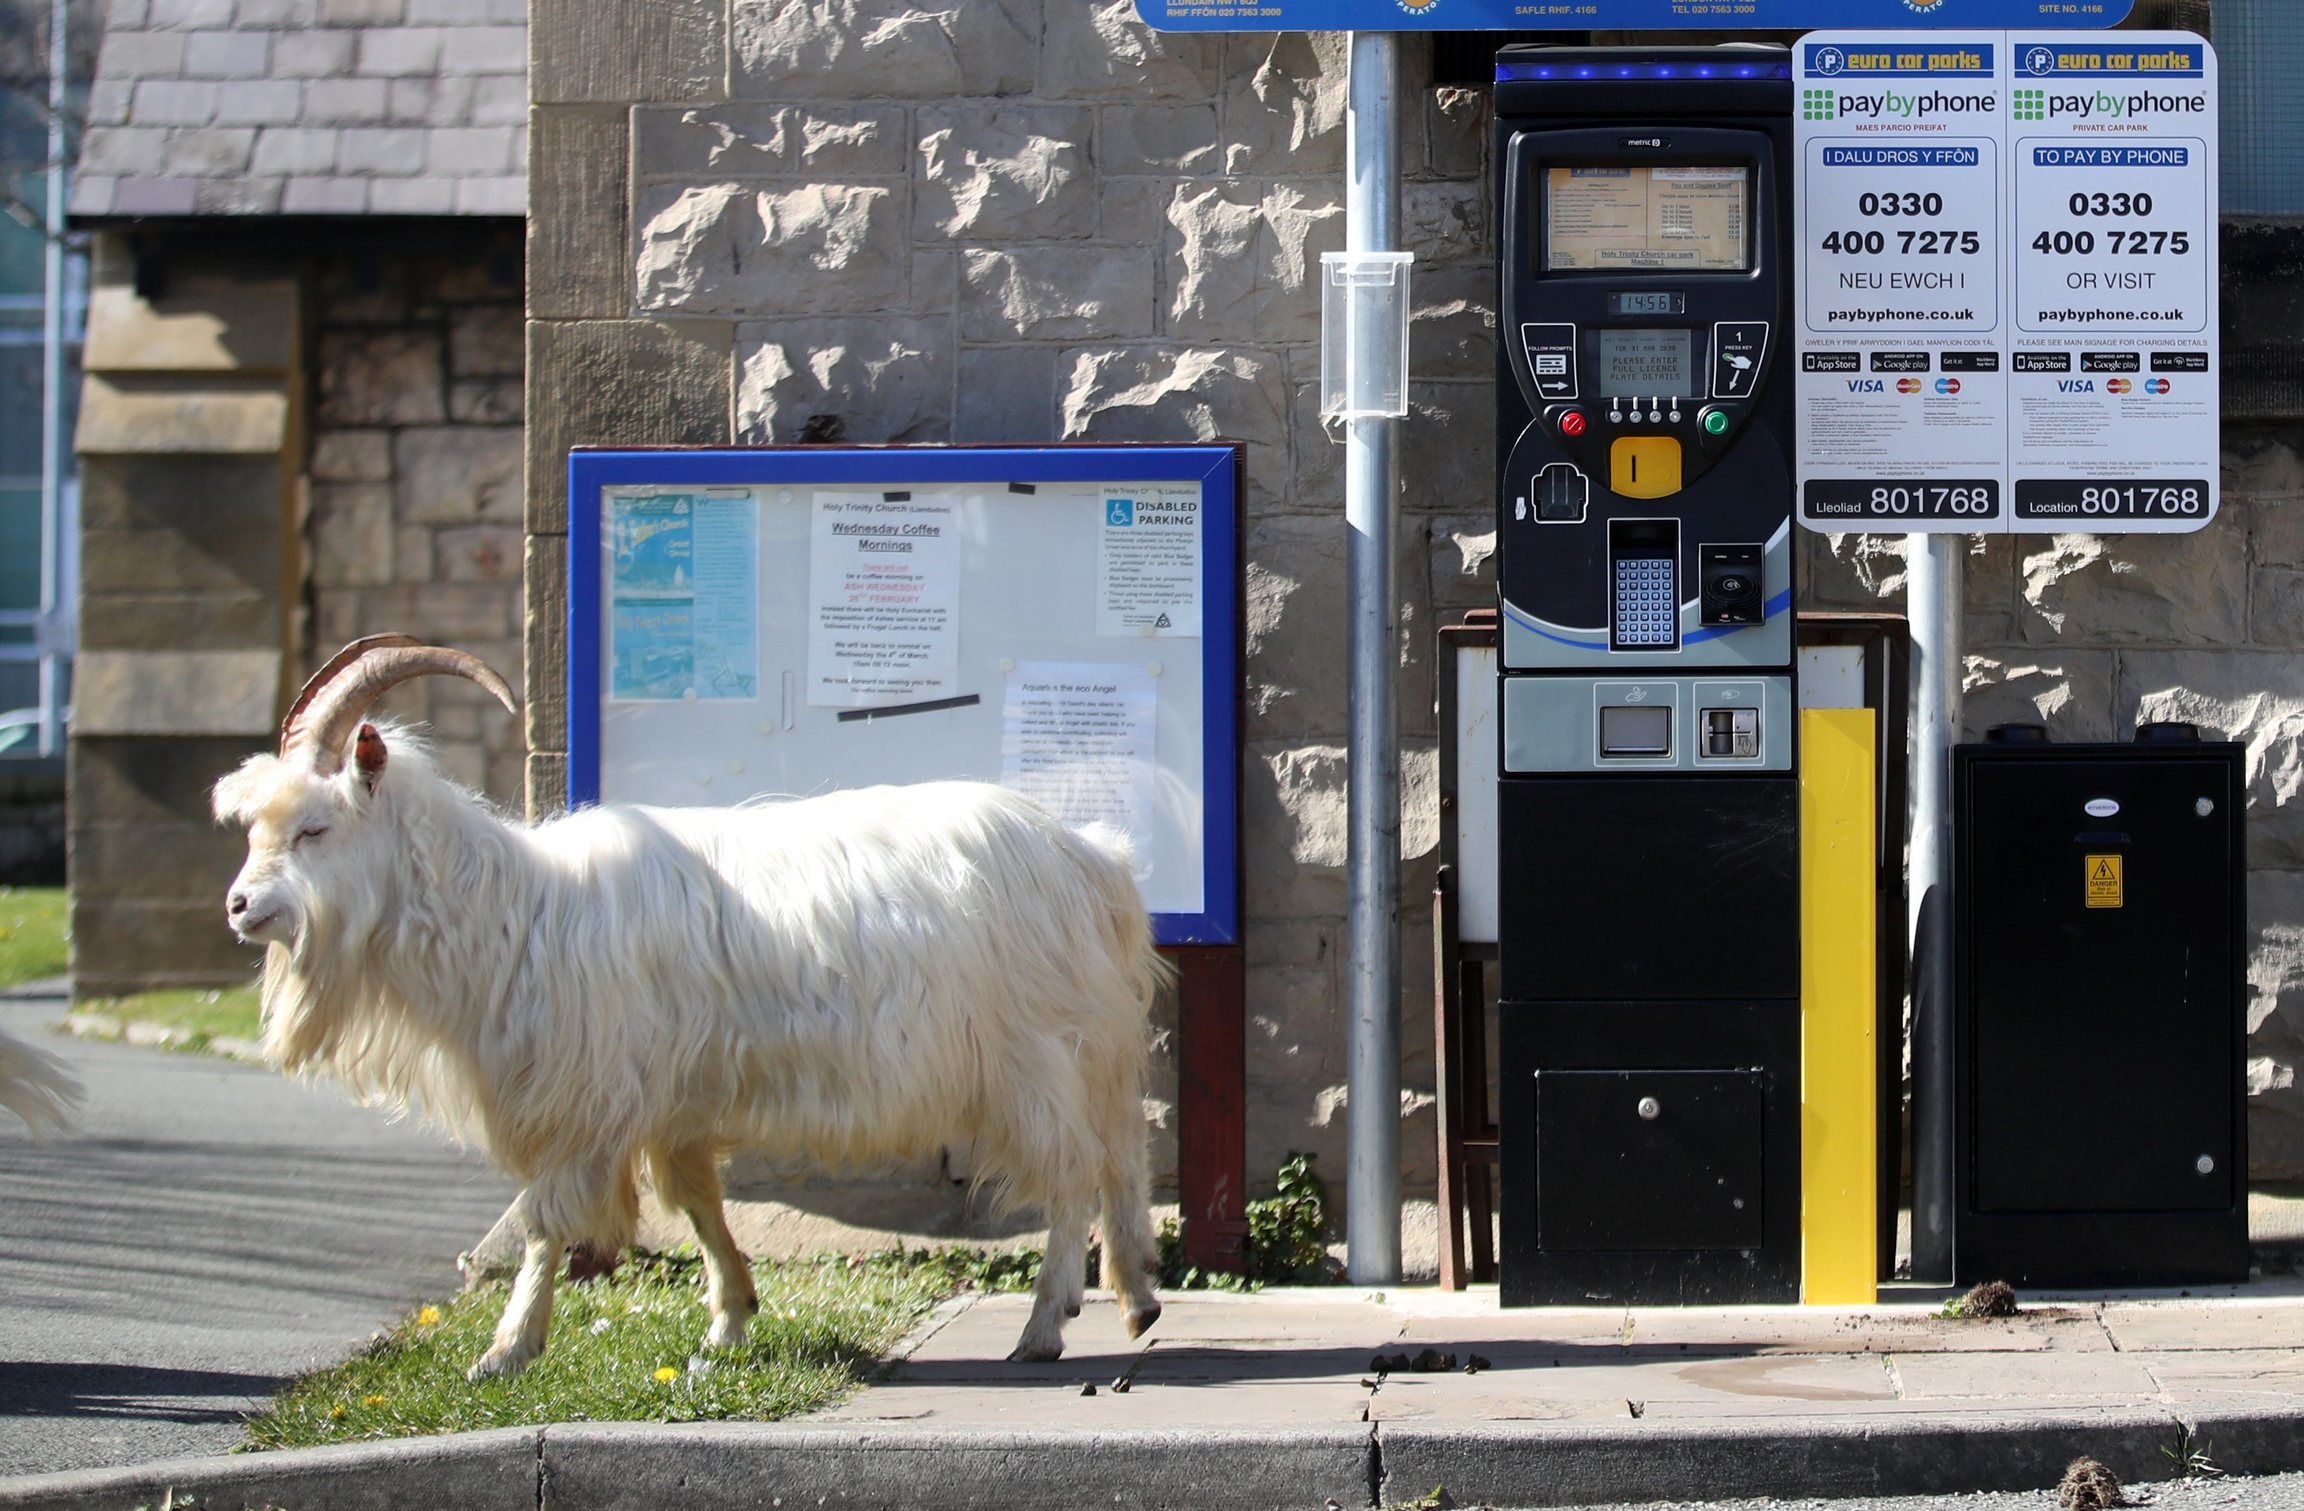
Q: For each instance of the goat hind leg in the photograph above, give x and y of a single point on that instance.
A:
(1056, 1294)
(688, 1179)
(1131, 1252)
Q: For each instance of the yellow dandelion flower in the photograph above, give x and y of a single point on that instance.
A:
(336, 1412)
(371, 1400)
(667, 1375)
(428, 1317)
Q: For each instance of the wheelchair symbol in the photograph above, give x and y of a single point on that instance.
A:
(1119, 511)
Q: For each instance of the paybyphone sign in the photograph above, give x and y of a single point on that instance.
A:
(2005, 282)
(1630, 15)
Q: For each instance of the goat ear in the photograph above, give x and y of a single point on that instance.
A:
(369, 755)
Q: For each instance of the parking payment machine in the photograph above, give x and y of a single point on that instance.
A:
(1649, 886)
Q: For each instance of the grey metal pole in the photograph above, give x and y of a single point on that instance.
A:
(52, 389)
(1933, 598)
(1372, 853)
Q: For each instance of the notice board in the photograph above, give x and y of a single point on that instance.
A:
(748, 625)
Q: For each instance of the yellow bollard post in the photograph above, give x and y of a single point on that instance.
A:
(1839, 1127)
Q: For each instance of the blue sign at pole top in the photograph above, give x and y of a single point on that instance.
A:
(1625, 15)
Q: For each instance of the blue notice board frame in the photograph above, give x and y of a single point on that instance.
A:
(1627, 15)
(1017, 472)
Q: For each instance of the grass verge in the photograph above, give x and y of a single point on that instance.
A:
(34, 942)
(190, 1017)
(623, 1349)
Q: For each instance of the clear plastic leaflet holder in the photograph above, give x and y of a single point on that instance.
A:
(1364, 335)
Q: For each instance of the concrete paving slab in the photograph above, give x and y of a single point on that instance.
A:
(1603, 1389)
(1838, 1330)
(2161, 1326)
(2061, 1379)
(1145, 1406)
(2274, 1374)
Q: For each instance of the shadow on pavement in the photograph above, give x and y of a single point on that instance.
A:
(128, 1391)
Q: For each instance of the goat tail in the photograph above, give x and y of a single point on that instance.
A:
(1130, 925)
(36, 1087)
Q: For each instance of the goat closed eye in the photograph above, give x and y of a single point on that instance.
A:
(310, 831)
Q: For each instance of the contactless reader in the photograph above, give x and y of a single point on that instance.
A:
(1648, 805)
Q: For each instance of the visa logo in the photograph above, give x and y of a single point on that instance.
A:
(2075, 385)
(1866, 385)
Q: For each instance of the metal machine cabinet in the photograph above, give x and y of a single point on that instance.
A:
(1647, 816)
(2100, 968)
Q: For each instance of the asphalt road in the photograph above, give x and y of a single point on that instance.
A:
(2271, 1492)
(208, 1231)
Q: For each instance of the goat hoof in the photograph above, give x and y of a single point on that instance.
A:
(497, 1364)
(727, 1331)
(1036, 1353)
(1140, 1320)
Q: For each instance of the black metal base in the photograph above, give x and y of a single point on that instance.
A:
(1649, 1153)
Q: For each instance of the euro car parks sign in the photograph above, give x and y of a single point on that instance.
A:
(1635, 15)
(2005, 270)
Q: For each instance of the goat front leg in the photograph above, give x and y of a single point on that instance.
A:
(527, 1319)
(1057, 1293)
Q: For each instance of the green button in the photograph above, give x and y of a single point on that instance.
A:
(1716, 423)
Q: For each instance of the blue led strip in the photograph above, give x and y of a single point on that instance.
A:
(1512, 72)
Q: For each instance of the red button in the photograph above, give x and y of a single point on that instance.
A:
(1572, 423)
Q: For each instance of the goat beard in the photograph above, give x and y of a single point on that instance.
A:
(321, 1017)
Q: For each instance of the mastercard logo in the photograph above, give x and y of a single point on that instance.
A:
(2118, 385)
(1907, 385)
(1947, 385)
(2157, 385)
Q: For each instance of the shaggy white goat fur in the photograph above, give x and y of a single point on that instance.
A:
(844, 978)
(36, 1087)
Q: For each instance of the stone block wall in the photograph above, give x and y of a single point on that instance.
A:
(1038, 220)
(414, 480)
(187, 555)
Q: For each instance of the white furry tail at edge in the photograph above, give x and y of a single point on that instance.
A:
(36, 1087)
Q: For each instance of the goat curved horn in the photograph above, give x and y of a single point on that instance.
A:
(327, 674)
(341, 704)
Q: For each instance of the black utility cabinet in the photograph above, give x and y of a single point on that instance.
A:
(2100, 1010)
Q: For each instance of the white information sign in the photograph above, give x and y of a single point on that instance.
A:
(1077, 737)
(1148, 569)
(2114, 377)
(883, 600)
(1982, 255)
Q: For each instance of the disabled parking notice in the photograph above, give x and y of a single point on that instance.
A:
(2004, 268)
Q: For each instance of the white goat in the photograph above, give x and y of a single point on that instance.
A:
(36, 1087)
(849, 977)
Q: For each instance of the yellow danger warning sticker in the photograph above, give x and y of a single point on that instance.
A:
(2105, 884)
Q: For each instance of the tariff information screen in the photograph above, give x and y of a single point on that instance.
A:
(2005, 273)
(2113, 383)
(1674, 218)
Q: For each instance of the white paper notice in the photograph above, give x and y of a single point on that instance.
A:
(1148, 570)
(1076, 736)
(883, 601)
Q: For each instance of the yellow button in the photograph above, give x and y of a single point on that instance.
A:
(1644, 466)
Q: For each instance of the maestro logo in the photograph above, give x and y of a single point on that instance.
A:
(2157, 385)
(1947, 385)
(1907, 385)
(2117, 385)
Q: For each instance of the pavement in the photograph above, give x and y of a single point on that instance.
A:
(1273, 1399)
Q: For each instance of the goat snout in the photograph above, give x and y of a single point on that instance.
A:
(237, 905)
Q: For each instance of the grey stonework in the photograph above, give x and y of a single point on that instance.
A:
(1038, 220)
(415, 497)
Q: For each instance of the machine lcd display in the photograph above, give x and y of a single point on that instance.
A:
(1639, 363)
(1672, 217)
